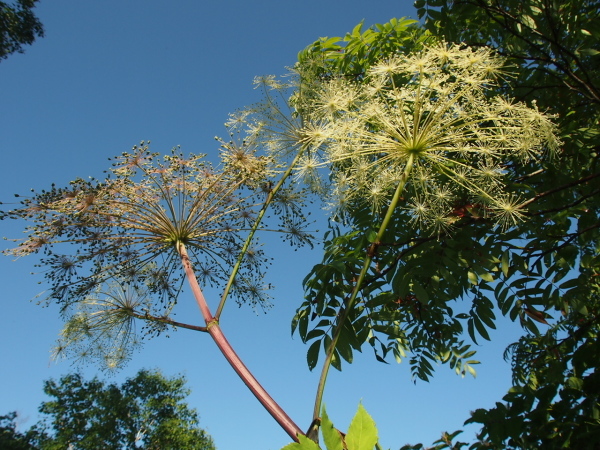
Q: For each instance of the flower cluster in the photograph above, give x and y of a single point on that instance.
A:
(437, 111)
(113, 250)
(128, 226)
(278, 125)
(101, 327)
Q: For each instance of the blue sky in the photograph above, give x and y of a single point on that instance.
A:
(111, 73)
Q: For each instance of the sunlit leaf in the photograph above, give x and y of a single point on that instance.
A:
(362, 433)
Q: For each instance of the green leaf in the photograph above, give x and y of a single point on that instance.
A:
(312, 355)
(330, 42)
(335, 360)
(381, 299)
(343, 345)
(357, 29)
(420, 292)
(487, 316)
(400, 283)
(304, 444)
(575, 383)
(589, 51)
(535, 10)
(331, 436)
(471, 370)
(481, 328)
(505, 262)
(574, 282)
(298, 317)
(472, 277)
(371, 235)
(485, 276)
(303, 324)
(314, 334)
(528, 21)
(362, 433)
(471, 330)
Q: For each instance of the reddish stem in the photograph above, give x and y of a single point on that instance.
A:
(214, 329)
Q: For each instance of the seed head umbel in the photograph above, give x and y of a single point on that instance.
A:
(127, 226)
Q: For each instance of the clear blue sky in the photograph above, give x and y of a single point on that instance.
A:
(110, 73)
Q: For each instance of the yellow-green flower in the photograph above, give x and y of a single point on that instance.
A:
(439, 109)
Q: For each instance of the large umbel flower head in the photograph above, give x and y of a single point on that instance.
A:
(128, 226)
(436, 113)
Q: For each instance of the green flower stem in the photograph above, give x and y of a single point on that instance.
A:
(213, 328)
(350, 304)
(255, 226)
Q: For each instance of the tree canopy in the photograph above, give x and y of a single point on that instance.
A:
(18, 27)
(147, 411)
(10, 438)
(554, 48)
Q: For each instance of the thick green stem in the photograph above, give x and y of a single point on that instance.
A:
(343, 316)
(255, 226)
(213, 328)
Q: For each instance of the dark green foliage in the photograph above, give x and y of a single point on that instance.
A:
(409, 301)
(352, 54)
(146, 412)
(555, 402)
(10, 438)
(18, 27)
(555, 50)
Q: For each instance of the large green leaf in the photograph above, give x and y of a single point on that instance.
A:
(331, 436)
(362, 433)
(303, 444)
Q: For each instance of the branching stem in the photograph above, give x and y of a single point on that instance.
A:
(214, 329)
(167, 321)
(255, 226)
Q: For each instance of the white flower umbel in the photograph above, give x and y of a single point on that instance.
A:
(102, 327)
(440, 109)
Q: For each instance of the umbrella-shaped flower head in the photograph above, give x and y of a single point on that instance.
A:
(128, 226)
(438, 112)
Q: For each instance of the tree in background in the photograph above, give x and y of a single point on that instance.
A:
(147, 411)
(10, 438)
(554, 48)
(18, 27)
